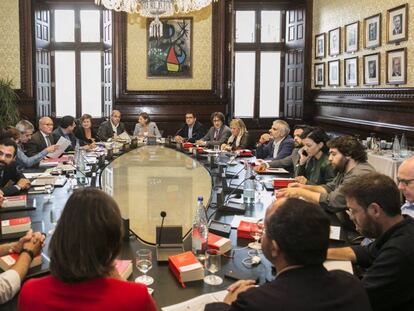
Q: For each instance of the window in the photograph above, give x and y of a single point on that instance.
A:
(74, 48)
(258, 47)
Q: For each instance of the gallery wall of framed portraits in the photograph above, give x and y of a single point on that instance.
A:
(369, 45)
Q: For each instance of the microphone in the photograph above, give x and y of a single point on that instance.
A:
(163, 215)
(253, 177)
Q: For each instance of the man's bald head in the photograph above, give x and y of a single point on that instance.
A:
(115, 117)
(46, 125)
(406, 179)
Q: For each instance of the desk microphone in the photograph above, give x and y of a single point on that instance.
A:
(163, 215)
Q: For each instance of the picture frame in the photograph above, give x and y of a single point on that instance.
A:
(334, 73)
(335, 41)
(170, 56)
(320, 46)
(351, 71)
(396, 61)
(372, 31)
(319, 71)
(372, 69)
(397, 24)
(352, 37)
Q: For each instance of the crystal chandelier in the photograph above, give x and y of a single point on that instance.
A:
(155, 9)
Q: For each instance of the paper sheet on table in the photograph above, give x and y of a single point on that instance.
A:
(197, 303)
(236, 220)
(335, 233)
(124, 136)
(344, 265)
(34, 175)
(62, 144)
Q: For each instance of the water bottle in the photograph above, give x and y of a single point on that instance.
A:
(403, 146)
(396, 148)
(77, 153)
(200, 231)
(249, 187)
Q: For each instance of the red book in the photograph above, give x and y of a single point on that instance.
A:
(187, 145)
(186, 267)
(13, 201)
(124, 268)
(245, 153)
(16, 225)
(7, 261)
(282, 182)
(243, 230)
(218, 242)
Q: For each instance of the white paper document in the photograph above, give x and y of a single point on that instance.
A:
(197, 303)
(62, 144)
(344, 265)
(335, 233)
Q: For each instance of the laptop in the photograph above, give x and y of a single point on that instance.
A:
(171, 241)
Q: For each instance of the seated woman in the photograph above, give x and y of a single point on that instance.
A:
(218, 134)
(83, 275)
(239, 136)
(85, 132)
(314, 167)
(145, 127)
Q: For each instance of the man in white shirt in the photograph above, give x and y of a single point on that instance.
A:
(112, 127)
(277, 144)
(406, 185)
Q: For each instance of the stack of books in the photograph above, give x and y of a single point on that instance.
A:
(16, 225)
(186, 267)
(223, 245)
(15, 201)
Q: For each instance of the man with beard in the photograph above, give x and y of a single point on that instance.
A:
(11, 181)
(374, 206)
(292, 160)
(349, 159)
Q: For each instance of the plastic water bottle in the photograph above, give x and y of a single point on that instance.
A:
(403, 146)
(249, 187)
(200, 231)
(77, 154)
(396, 148)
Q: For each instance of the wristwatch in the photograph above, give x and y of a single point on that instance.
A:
(29, 252)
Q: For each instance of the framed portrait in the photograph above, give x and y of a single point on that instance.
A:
(396, 66)
(320, 45)
(352, 37)
(333, 73)
(372, 31)
(319, 74)
(397, 24)
(335, 41)
(372, 68)
(170, 56)
(351, 71)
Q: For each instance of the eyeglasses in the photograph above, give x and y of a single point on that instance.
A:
(405, 182)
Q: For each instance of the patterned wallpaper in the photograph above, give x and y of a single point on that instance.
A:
(10, 41)
(330, 14)
(202, 59)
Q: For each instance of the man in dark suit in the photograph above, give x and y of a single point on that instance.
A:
(112, 127)
(191, 131)
(218, 134)
(277, 144)
(42, 139)
(66, 130)
(295, 241)
(11, 181)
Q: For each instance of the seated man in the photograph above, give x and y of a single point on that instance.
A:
(295, 241)
(112, 127)
(349, 159)
(374, 206)
(276, 145)
(66, 130)
(28, 247)
(191, 131)
(11, 180)
(42, 139)
(406, 185)
(218, 134)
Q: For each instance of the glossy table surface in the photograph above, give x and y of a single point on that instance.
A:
(151, 179)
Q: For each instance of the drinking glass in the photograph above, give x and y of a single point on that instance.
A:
(72, 181)
(55, 213)
(212, 264)
(216, 148)
(256, 232)
(49, 190)
(143, 261)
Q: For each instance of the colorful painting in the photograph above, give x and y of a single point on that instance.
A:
(169, 56)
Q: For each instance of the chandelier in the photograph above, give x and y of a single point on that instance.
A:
(155, 9)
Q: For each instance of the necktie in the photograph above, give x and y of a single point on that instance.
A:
(216, 134)
(48, 142)
(190, 132)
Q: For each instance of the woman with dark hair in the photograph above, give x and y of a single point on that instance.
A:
(145, 127)
(314, 167)
(83, 276)
(85, 132)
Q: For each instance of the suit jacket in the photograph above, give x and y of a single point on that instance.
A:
(309, 288)
(198, 132)
(80, 134)
(105, 130)
(58, 133)
(243, 144)
(223, 136)
(37, 144)
(10, 174)
(287, 163)
(265, 151)
(152, 130)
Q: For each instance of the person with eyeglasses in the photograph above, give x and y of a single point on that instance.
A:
(406, 185)
(218, 134)
(42, 139)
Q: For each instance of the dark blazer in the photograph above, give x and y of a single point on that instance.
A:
(309, 288)
(265, 151)
(198, 132)
(244, 142)
(58, 133)
(37, 143)
(105, 130)
(10, 174)
(288, 163)
(224, 134)
(80, 134)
